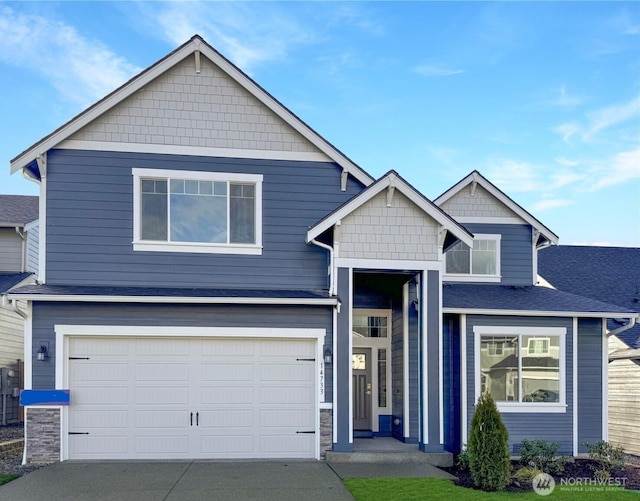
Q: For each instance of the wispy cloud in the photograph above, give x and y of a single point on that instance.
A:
(80, 68)
(565, 162)
(566, 100)
(567, 130)
(610, 116)
(436, 70)
(552, 203)
(622, 168)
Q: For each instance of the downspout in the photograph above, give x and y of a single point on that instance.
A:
(330, 271)
(615, 332)
(24, 249)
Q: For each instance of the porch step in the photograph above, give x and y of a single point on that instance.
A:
(442, 459)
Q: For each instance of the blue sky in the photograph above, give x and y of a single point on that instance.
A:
(542, 98)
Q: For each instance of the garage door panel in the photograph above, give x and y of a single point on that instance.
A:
(161, 418)
(100, 396)
(162, 372)
(97, 419)
(286, 372)
(227, 395)
(136, 395)
(89, 372)
(227, 372)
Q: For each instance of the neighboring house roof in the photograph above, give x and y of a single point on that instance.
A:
(529, 300)
(32, 161)
(17, 210)
(9, 280)
(476, 178)
(610, 274)
(392, 181)
(170, 295)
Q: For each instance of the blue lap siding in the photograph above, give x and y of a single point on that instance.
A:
(90, 223)
(553, 427)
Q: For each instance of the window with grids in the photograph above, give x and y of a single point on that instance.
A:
(521, 365)
(207, 210)
(482, 259)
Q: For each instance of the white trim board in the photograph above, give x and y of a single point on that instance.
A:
(175, 299)
(537, 313)
(168, 149)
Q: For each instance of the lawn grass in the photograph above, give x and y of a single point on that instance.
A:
(7, 477)
(388, 489)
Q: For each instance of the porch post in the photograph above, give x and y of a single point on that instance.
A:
(343, 438)
(430, 326)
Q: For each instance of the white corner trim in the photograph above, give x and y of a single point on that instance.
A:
(605, 382)
(463, 380)
(574, 395)
(440, 361)
(28, 348)
(42, 232)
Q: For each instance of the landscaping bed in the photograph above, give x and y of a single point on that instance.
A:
(575, 472)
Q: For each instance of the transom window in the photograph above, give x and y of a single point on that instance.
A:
(526, 370)
(483, 260)
(197, 211)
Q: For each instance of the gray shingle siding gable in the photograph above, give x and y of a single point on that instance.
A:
(90, 223)
(516, 250)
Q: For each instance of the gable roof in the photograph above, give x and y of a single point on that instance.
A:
(391, 180)
(17, 210)
(28, 159)
(610, 274)
(476, 177)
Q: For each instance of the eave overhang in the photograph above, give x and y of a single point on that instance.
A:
(26, 161)
(393, 181)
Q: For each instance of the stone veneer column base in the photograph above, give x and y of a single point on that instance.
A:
(42, 428)
(326, 432)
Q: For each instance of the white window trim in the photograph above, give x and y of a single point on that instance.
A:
(196, 247)
(532, 407)
(475, 277)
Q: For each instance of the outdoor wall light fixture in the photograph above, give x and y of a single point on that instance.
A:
(328, 356)
(43, 352)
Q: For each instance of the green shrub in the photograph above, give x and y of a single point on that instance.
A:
(488, 447)
(526, 474)
(609, 458)
(542, 455)
(462, 462)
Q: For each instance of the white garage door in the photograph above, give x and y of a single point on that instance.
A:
(160, 398)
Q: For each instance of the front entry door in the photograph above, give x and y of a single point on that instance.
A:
(361, 366)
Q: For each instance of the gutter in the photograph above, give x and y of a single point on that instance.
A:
(330, 271)
(630, 325)
(12, 305)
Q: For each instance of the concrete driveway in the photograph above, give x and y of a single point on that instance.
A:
(179, 480)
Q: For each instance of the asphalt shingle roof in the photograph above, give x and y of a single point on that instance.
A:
(8, 280)
(18, 209)
(525, 299)
(64, 290)
(610, 274)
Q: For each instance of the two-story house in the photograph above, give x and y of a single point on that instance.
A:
(218, 281)
(18, 262)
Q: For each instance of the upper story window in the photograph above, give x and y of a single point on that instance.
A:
(180, 211)
(480, 263)
(527, 372)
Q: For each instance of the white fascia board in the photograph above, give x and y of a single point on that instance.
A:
(407, 191)
(521, 212)
(175, 300)
(101, 107)
(538, 313)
